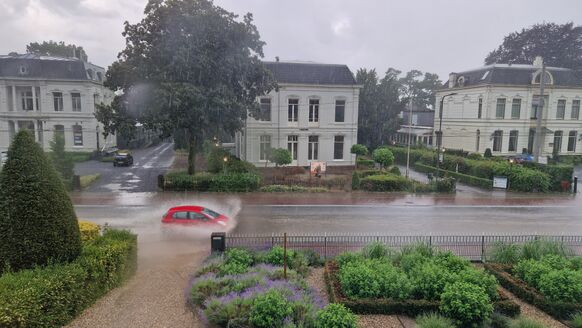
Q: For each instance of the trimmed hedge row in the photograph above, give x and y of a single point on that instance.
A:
(559, 310)
(410, 308)
(385, 182)
(52, 296)
(232, 182)
(468, 179)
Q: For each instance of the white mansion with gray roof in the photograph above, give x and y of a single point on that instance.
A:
(496, 106)
(50, 95)
(314, 114)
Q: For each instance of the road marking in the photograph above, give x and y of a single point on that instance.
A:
(354, 206)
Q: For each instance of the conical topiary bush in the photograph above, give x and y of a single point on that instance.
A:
(37, 220)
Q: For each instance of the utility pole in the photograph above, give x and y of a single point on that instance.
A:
(440, 132)
(538, 140)
(409, 136)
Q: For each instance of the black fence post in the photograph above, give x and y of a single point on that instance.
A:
(483, 248)
(575, 184)
(76, 182)
(161, 181)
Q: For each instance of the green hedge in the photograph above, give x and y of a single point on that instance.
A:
(233, 182)
(385, 183)
(52, 296)
(559, 310)
(468, 179)
(557, 173)
(411, 307)
(521, 178)
(365, 163)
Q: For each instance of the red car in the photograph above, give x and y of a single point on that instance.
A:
(194, 215)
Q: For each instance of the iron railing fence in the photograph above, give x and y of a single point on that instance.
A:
(472, 247)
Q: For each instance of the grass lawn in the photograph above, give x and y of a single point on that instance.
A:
(80, 156)
(87, 180)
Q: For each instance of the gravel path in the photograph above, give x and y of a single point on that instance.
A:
(155, 296)
(530, 311)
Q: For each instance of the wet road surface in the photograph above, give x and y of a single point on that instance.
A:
(141, 177)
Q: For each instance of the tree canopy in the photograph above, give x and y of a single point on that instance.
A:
(60, 49)
(559, 44)
(192, 67)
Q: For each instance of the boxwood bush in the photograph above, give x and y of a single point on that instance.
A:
(384, 183)
(52, 296)
(230, 182)
(467, 303)
(335, 316)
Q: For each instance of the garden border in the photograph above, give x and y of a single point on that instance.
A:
(558, 310)
(411, 308)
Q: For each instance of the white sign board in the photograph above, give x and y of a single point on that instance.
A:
(500, 182)
(316, 165)
(543, 160)
(3, 157)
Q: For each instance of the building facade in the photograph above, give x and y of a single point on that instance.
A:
(417, 124)
(49, 95)
(496, 107)
(313, 114)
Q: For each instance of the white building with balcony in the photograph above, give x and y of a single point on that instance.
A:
(313, 114)
(50, 95)
(496, 107)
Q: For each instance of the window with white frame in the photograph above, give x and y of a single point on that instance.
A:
(58, 101)
(293, 110)
(292, 146)
(575, 109)
(557, 142)
(77, 135)
(340, 110)
(572, 136)
(27, 100)
(313, 148)
(561, 109)
(76, 100)
(480, 108)
(264, 147)
(497, 140)
(516, 108)
(265, 106)
(338, 147)
(313, 110)
(513, 135)
(500, 109)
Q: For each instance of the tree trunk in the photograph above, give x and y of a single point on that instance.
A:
(192, 156)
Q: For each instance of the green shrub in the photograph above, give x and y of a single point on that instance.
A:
(376, 250)
(475, 156)
(276, 255)
(383, 156)
(38, 224)
(355, 181)
(359, 280)
(348, 257)
(531, 271)
(180, 181)
(395, 170)
(423, 249)
(488, 153)
(235, 165)
(280, 156)
(430, 280)
(525, 323)
(53, 295)
(445, 184)
(498, 320)
(313, 258)
(562, 285)
(335, 316)
(433, 320)
(239, 255)
(285, 188)
(384, 183)
(409, 262)
(576, 321)
(215, 159)
(365, 163)
(359, 150)
(235, 182)
(451, 262)
(481, 279)
(521, 178)
(394, 284)
(270, 309)
(466, 303)
(537, 249)
(62, 161)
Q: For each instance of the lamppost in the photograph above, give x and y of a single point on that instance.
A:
(440, 132)
(225, 159)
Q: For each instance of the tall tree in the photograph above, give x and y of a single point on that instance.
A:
(192, 67)
(559, 44)
(379, 105)
(421, 87)
(62, 161)
(60, 49)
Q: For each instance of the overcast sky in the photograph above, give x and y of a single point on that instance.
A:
(437, 36)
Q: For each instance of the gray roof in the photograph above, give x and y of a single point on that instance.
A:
(311, 73)
(46, 67)
(516, 75)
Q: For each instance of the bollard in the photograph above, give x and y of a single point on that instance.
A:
(217, 242)
(575, 185)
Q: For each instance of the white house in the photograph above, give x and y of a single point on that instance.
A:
(313, 114)
(496, 106)
(52, 95)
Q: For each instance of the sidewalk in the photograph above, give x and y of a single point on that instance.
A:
(461, 187)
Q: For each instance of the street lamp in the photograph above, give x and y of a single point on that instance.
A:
(225, 159)
(440, 132)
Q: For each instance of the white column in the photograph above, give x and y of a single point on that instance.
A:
(35, 123)
(34, 99)
(13, 98)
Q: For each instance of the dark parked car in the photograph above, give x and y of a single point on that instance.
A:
(123, 159)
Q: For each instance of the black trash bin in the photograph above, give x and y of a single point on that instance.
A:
(217, 242)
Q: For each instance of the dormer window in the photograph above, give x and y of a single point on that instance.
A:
(90, 74)
(549, 79)
(461, 81)
(99, 76)
(22, 69)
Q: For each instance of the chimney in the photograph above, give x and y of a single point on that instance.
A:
(452, 80)
(277, 59)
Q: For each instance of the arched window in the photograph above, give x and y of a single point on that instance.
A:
(549, 78)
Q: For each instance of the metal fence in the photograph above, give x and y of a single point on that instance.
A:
(472, 247)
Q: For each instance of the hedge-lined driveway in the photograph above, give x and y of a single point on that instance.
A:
(141, 177)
